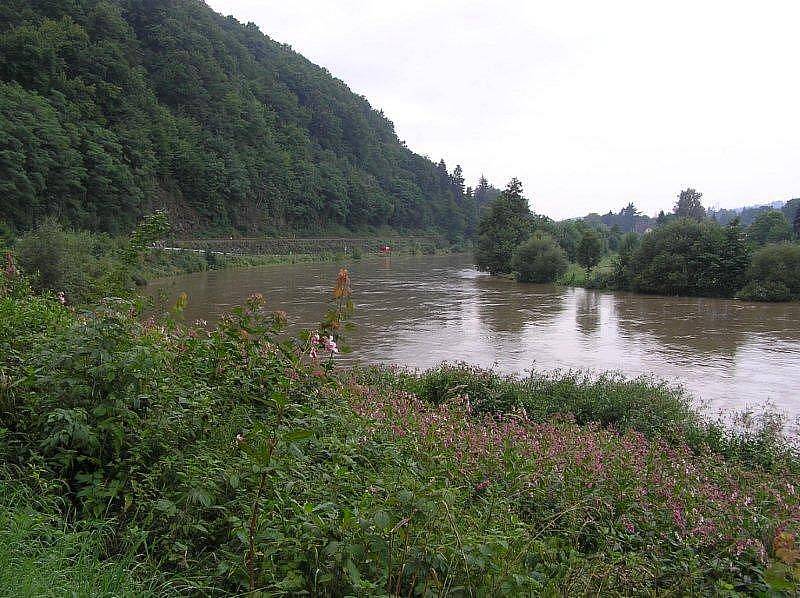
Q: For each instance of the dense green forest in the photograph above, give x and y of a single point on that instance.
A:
(111, 108)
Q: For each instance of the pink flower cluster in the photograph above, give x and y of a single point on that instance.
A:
(638, 482)
(322, 343)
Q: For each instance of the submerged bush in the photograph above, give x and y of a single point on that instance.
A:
(604, 275)
(686, 257)
(575, 276)
(539, 259)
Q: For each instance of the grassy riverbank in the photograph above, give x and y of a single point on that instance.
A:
(85, 266)
(160, 263)
(152, 458)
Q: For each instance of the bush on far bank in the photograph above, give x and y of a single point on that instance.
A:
(539, 259)
(774, 274)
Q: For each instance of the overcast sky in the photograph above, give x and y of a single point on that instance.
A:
(591, 104)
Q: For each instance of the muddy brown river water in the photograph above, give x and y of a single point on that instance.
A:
(420, 311)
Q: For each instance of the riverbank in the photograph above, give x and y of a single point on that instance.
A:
(197, 461)
(85, 266)
(164, 263)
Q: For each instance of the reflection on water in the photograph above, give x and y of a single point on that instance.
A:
(421, 311)
(587, 312)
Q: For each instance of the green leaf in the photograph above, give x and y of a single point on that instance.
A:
(776, 578)
(381, 519)
(297, 435)
(353, 573)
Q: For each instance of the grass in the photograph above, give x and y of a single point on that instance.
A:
(42, 554)
(575, 276)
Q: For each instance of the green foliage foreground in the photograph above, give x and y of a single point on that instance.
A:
(215, 461)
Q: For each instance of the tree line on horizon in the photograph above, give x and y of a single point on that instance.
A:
(685, 253)
(631, 219)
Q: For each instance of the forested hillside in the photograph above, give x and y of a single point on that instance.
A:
(110, 108)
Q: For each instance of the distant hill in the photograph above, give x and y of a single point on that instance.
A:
(746, 214)
(630, 219)
(109, 108)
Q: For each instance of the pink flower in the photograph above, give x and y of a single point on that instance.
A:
(330, 345)
(628, 525)
(677, 515)
(240, 439)
(11, 269)
(61, 298)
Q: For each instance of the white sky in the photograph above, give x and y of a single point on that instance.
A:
(591, 104)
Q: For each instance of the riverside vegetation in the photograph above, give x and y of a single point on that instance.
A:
(686, 254)
(86, 267)
(146, 456)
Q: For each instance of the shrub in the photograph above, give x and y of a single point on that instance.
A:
(686, 257)
(539, 259)
(228, 461)
(82, 266)
(575, 276)
(644, 404)
(774, 273)
(624, 466)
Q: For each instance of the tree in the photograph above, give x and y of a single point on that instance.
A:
(458, 181)
(614, 238)
(792, 211)
(623, 272)
(689, 206)
(686, 257)
(506, 224)
(628, 216)
(769, 227)
(735, 258)
(590, 249)
(539, 259)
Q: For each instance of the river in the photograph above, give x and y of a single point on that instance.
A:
(419, 311)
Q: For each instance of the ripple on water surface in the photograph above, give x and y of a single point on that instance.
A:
(421, 311)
